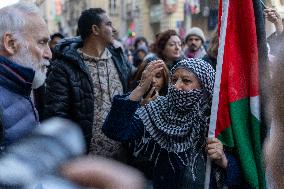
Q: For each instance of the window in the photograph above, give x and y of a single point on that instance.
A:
(113, 9)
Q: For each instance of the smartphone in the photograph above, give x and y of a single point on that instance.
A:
(146, 94)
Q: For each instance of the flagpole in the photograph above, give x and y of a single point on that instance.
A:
(263, 4)
(215, 100)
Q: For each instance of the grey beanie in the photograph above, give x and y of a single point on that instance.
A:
(195, 31)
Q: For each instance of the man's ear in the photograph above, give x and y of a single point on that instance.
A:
(9, 43)
(95, 29)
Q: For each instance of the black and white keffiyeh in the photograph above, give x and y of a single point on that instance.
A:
(178, 122)
(183, 101)
(202, 69)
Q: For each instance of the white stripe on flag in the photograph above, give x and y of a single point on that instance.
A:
(255, 106)
(215, 101)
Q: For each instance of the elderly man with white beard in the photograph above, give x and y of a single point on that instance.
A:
(24, 55)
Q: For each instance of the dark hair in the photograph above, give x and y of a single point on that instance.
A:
(57, 34)
(161, 41)
(212, 51)
(134, 81)
(87, 19)
(138, 39)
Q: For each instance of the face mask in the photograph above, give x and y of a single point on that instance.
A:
(183, 101)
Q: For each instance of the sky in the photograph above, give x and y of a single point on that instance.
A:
(4, 3)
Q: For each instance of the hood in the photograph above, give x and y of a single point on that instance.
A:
(66, 49)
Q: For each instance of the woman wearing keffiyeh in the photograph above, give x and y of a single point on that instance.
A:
(170, 132)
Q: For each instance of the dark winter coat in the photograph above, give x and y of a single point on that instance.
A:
(211, 60)
(69, 87)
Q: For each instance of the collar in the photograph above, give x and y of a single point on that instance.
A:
(15, 77)
(105, 55)
(196, 54)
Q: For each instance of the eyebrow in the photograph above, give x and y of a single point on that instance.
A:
(193, 37)
(45, 39)
(170, 42)
(182, 76)
(186, 77)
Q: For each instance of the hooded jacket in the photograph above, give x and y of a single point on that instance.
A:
(69, 87)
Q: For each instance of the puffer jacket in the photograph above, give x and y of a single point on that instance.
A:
(69, 87)
(18, 115)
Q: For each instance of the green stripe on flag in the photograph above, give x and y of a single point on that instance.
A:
(245, 135)
(256, 127)
(227, 137)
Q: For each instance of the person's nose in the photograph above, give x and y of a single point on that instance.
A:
(154, 80)
(177, 47)
(179, 84)
(114, 30)
(47, 53)
(194, 42)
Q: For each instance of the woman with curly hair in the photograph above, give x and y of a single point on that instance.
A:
(168, 47)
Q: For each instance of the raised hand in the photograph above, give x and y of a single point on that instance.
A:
(273, 16)
(147, 77)
(150, 96)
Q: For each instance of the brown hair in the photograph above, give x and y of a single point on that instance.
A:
(161, 41)
(134, 81)
(213, 46)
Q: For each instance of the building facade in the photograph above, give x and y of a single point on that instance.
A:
(141, 17)
(72, 10)
(148, 17)
(52, 13)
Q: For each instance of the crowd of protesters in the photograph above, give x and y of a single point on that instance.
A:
(143, 105)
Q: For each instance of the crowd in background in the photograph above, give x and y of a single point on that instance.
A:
(146, 105)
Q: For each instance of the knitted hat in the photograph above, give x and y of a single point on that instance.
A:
(142, 48)
(195, 31)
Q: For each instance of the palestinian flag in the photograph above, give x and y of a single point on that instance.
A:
(235, 114)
